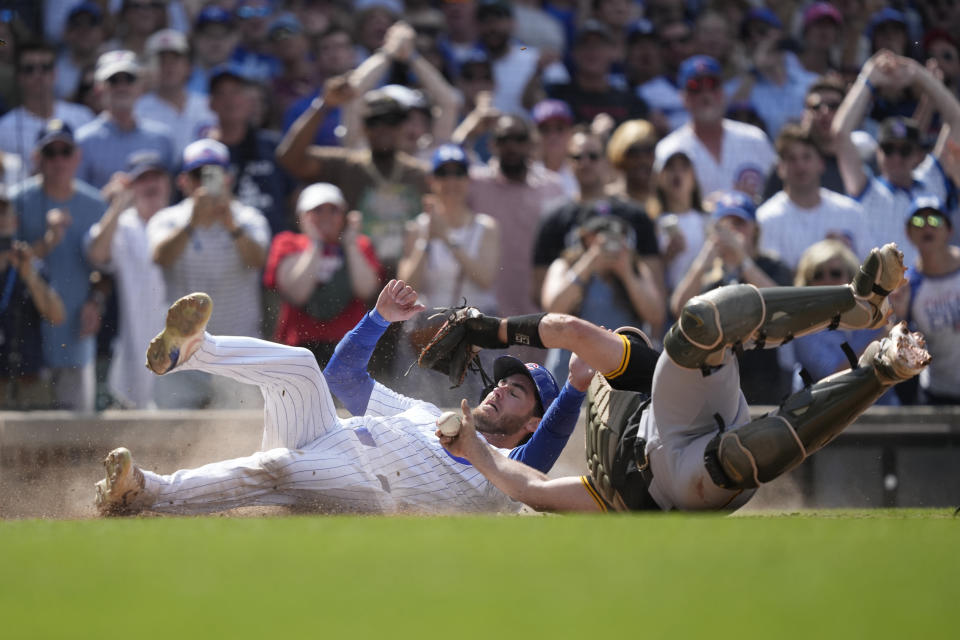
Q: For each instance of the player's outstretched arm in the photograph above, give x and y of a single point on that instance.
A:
(517, 480)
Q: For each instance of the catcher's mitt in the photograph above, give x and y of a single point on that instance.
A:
(455, 345)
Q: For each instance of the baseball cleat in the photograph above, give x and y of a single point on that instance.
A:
(117, 493)
(180, 339)
(899, 356)
(881, 272)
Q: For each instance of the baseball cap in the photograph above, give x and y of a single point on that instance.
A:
(659, 162)
(245, 11)
(111, 63)
(205, 151)
(735, 203)
(641, 28)
(227, 70)
(592, 27)
(927, 202)
(89, 8)
(821, 11)
(318, 194)
(898, 128)
(379, 102)
(54, 130)
(167, 40)
(698, 67)
(552, 110)
(546, 386)
(884, 16)
(493, 9)
(212, 14)
(393, 6)
(285, 22)
(934, 35)
(448, 153)
(407, 97)
(764, 15)
(145, 161)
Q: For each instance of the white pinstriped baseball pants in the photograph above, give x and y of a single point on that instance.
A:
(305, 452)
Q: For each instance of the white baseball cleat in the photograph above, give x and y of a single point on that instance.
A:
(118, 493)
(186, 320)
(899, 356)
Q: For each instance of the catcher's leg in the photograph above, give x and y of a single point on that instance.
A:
(718, 319)
(761, 450)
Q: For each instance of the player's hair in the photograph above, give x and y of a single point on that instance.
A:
(819, 254)
(791, 133)
(626, 135)
(33, 46)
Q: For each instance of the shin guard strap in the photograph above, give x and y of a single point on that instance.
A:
(525, 330)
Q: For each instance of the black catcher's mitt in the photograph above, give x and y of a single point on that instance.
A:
(455, 345)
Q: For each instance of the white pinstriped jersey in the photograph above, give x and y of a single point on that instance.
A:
(787, 230)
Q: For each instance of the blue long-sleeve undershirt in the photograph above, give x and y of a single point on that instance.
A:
(348, 379)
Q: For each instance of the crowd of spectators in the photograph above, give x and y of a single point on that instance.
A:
(605, 158)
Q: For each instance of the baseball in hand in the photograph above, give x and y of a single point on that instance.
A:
(449, 423)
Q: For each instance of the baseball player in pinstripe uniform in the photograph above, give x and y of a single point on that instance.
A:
(693, 446)
(385, 459)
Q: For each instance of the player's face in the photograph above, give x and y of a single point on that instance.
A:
(508, 407)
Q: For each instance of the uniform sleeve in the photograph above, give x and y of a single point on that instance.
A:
(558, 423)
(346, 373)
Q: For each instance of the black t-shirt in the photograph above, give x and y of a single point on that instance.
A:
(20, 337)
(557, 230)
(619, 103)
(259, 181)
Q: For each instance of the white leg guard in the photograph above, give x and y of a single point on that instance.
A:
(763, 449)
(298, 406)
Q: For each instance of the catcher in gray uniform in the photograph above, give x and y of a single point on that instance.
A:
(691, 444)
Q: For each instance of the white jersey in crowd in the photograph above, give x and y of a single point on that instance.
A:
(186, 125)
(787, 229)
(935, 310)
(887, 206)
(746, 157)
(211, 263)
(387, 460)
(142, 306)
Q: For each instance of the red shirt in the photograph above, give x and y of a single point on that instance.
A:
(294, 326)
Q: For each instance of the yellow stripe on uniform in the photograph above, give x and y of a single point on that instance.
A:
(593, 493)
(623, 360)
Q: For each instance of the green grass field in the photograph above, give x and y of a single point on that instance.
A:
(865, 574)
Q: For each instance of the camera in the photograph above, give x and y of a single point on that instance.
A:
(212, 178)
(611, 243)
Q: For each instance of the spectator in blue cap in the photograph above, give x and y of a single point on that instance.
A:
(83, 36)
(731, 255)
(725, 154)
(451, 253)
(887, 29)
(213, 40)
(931, 302)
(253, 54)
(135, 22)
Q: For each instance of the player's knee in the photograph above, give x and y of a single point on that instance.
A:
(712, 321)
(753, 454)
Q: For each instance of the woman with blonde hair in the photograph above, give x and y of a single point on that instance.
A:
(830, 262)
(630, 152)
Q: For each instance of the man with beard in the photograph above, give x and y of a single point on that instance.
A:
(384, 459)
(517, 193)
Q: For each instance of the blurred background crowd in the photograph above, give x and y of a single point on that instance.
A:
(609, 159)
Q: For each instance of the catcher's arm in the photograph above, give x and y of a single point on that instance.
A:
(517, 480)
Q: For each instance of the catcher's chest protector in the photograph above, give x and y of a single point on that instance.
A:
(616, 457)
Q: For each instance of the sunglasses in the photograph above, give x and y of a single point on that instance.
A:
(389, 120)
(833, 274)
(593, 156)
(57, 151)
(817, 106)
(703, 83)
(931, 220)
(892, 148)
(519, 138)
(451, 170)
(29, 69)
(121, 78)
